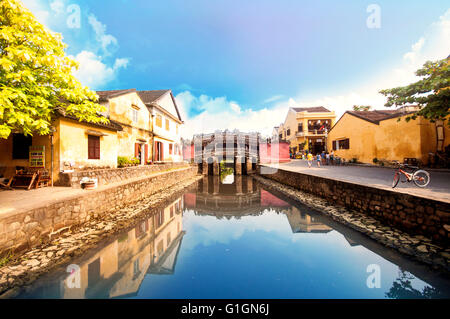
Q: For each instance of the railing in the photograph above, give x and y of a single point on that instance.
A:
(317, 132)
(299, 134)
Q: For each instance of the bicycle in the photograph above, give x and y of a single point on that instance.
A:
(420, 177)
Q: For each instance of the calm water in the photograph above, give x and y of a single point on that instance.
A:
(231, 238)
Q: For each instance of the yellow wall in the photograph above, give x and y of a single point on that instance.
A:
(121, 110)
(9, 165)
(391, 140)
(73, 145)
(70, 144)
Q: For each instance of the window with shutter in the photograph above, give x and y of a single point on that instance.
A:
(158, 120)
(93, 147)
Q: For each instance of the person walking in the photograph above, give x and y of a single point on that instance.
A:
(327, 156)
(332, 157)
(309, 157)
(318, 159)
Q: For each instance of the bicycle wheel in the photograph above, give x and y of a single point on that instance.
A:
(421, 178)
(396, 180)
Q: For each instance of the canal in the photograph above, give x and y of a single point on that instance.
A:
(229, 237)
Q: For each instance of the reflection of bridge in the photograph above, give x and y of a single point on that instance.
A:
(240, 150)
(245, 197)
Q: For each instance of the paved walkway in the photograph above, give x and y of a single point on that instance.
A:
(20, 200)
(439, 187)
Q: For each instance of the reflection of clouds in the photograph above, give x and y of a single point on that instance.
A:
(208, 230)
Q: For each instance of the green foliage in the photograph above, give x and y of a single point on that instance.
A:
(36, 76)
(121, 161)
(5, 260)
(402, 289)
(375, 160)
(431, 93)
(361, 107)
(124, 161)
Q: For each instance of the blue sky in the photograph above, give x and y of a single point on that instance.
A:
(243, 63)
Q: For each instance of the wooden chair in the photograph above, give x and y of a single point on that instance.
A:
(43, 179)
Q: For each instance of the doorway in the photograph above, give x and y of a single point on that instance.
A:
(159, 152)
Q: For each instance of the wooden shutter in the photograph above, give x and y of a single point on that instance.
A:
(136, 149)
(334, 145)
(146, 153)
(93, 147)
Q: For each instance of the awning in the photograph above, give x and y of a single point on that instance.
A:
(95, 133)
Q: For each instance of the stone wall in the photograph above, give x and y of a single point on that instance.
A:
(412, 214)
(113, 175)
(27, 229)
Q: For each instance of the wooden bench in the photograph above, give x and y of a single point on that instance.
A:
(29, 179)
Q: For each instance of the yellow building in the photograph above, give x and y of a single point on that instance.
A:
(366, 135)
(151, 123)
(306, 128)
(126, 108)
(73, 144)
(166, 125)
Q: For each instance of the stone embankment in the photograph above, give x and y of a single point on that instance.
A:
(410, 213)
(114, 175)
(24, 269)
(24, 230)
(418, 247)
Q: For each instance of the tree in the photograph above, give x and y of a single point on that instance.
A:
(402, 289)
(361, 107)
(431, 93)
(36, 76)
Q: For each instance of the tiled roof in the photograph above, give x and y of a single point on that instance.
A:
(151, 96)
(112, 125)
(105, 95)
(314, 109)
(377, 115)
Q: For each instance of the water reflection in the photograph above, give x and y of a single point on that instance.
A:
(118, 269)
(282, 250)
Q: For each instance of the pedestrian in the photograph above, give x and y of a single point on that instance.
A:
(318, 158)
(327, 156)
(332, 157)
(310, 159)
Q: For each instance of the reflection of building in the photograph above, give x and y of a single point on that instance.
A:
(304, 223)
(240, 198)
(118, 269)
(246, 197)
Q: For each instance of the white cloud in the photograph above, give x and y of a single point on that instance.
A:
(235, 107)
(93, 72)
(273, 99)
(219, 113)
(107, 41)
(38, 9)
(57, 6)
(433, 45)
